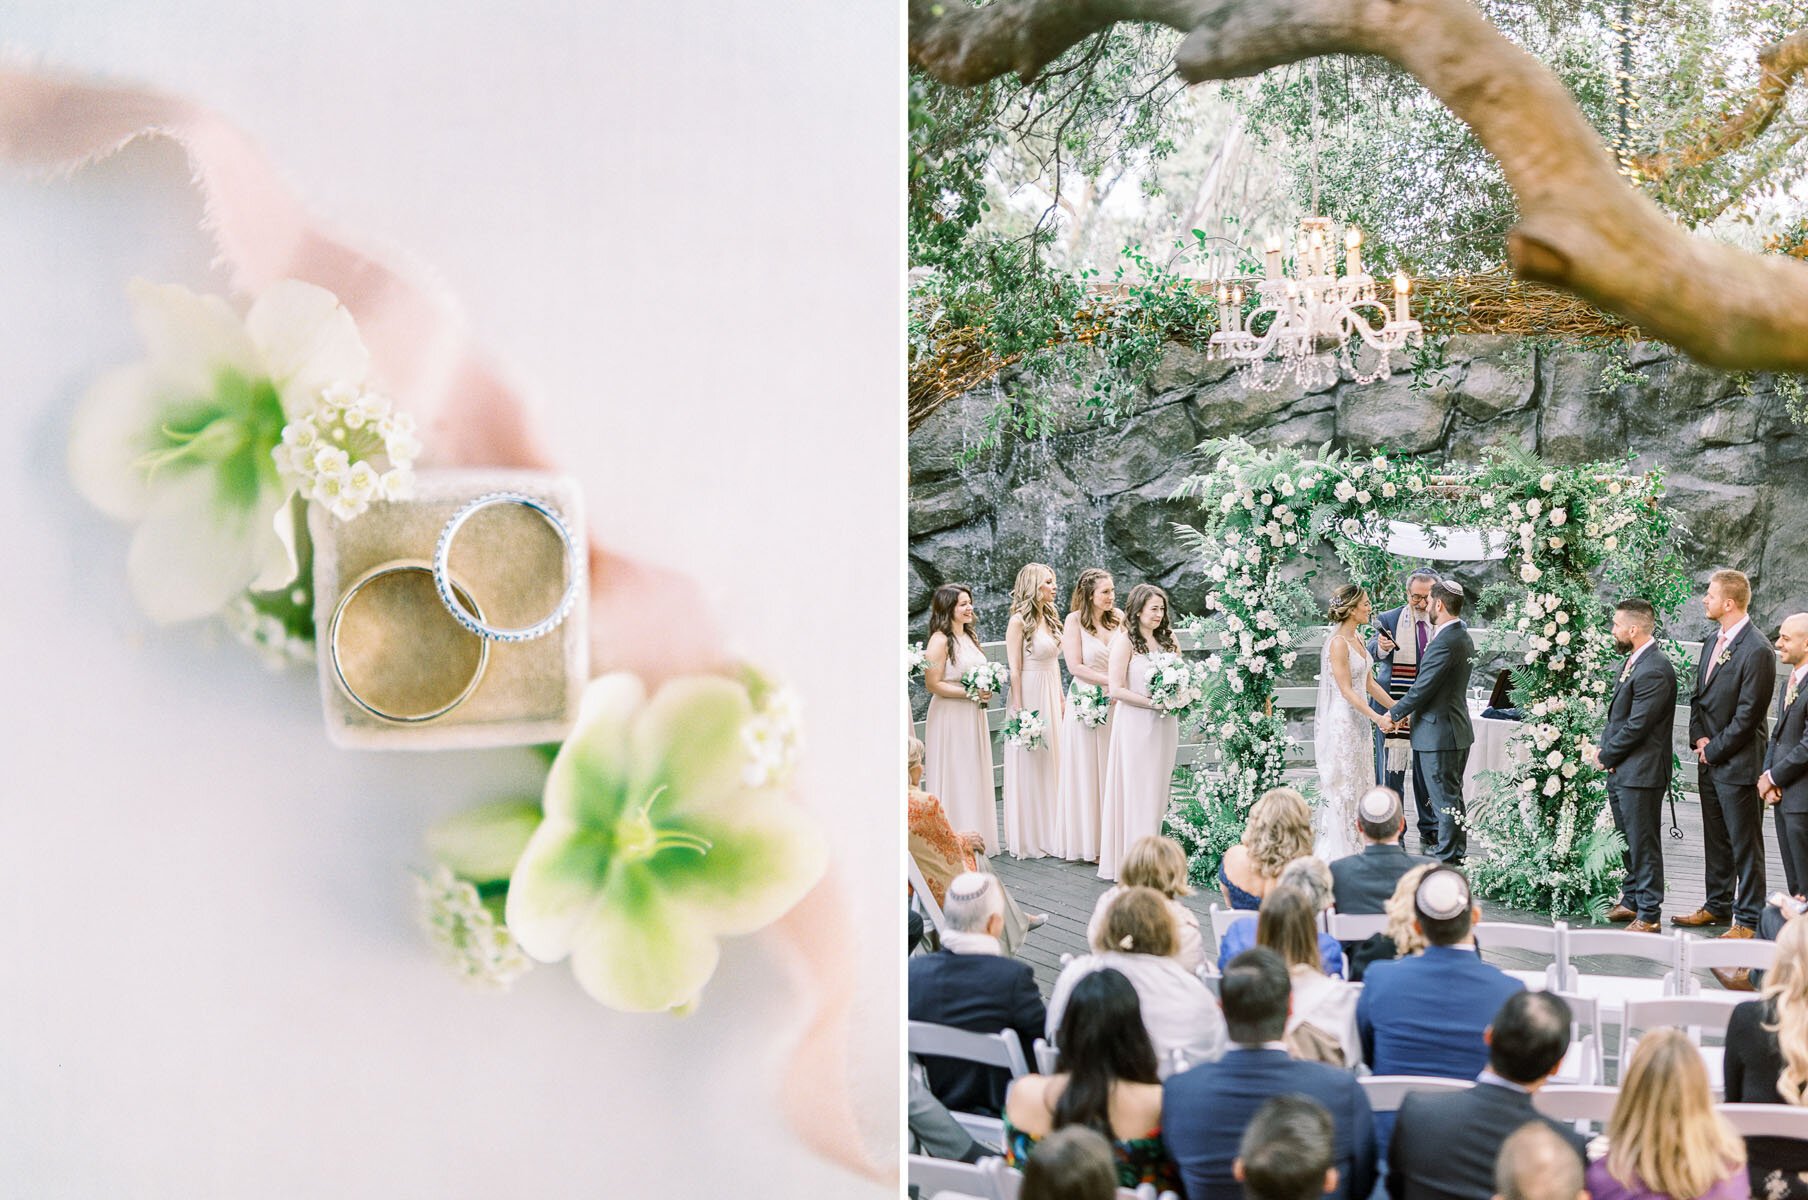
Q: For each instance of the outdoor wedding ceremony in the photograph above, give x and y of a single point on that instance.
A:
(1357, 613)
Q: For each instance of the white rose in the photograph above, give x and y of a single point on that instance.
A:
(1351, 527)
(1534, 609)
(1526, 785)
(1531, 656)
(1538, 709)
(1555, 543)
(1613, 489)
(1592, 529)
(1292, 537)
(1525, 530)
(1227, 503)
(1513, 509)
(1530, 573)
(1488, 501)
(1550, 628)
(1533, 507)
(1554, 758)
(1559, 516)
(1548, 482)
(1611, 543)
(1286, 486)
(1381, 462)
(1364, 497)
(1389, 490)
(1553, 785)
(1345, 491)
(1232, 537)
(1562, 617)
(1563, 638)
(1415, 484)
(1267, 498)
(1569, 770)
(1249, 501)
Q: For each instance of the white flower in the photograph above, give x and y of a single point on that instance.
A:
(1533, 507)
(1538, 709)
(1555, 543)
(361, 481)
(1364, 497)
(1592, 529)
(1562, 617)
(1534, 608)
(1530, 573)
(1563, 638)
(1345, 491)
(1610, 543)
(1559, 516)
(1569, 770)
(1513, 509)
(1267, 499)
(1351, 527)
(1525, 530)
(1613, 489)
(1227, 503)
(1488, 500)
(1381, 462)
(182, 442)
(1553, 785)
(1389, 490)
(1548, 482)
(1291, 537)
(1554, 758)
(1550, 628)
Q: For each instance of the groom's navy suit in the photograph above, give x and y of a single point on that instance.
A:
(1728, 709)
(1441, 733)
(1389, 623)
(1635, 748)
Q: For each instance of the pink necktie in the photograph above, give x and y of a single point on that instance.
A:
(1713, 662)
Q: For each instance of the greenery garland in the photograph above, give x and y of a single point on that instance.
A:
(1550, 841)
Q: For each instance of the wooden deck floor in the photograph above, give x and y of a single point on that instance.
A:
(1067, 892)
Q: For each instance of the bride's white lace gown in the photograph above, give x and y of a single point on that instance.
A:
(1344, 744)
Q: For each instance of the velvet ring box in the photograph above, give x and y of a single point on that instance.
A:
(399, 649)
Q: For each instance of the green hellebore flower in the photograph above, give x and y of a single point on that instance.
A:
(653, 844)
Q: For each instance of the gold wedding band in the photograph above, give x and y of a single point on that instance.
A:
(398, 671)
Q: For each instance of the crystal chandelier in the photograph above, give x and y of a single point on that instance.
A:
(1298, 316)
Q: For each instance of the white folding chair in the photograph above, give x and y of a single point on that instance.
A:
(1586, 1063)
(1001, 1049)
(1591, 1105)
(1701, 954)
(1046, 1056)
(1355, 927)
(1695, 1015)
(925, 899)
(1539, 939)
(1385, 1092)
(1767, 1120)
(1003, 1181)
(1223, 918)
(944, 1176)
(1613, 991)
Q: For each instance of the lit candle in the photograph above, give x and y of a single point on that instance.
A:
(1224, 318)
(1401, 286)
(1271, 265)
(1318, 252)
(1352, 252)
(1236, 308)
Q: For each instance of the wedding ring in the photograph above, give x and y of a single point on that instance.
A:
(472, 618)
(370, 584)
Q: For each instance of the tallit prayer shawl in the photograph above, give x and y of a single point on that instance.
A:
(1406, 669)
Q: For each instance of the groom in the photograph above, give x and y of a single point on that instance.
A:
(1437, 704)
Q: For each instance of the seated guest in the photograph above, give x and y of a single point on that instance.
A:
(1205, 1111)
(941, 853)
(1537, 1163)
(1445, 1144)
(1402, 938)
(1286, 1152)
(933, 1129)
(1310, 876)
(1074, 1164)
(1105, 1080)
(1767, 1063)
(1159, 863)
(1279, 830)
(1362, 883)
(1500, 701)
(1426, 1015)
(1178, 1011)
(1322, 1024)
(1664, 1139)
(971, 985)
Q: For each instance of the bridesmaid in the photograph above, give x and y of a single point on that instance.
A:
(1032, 777)
(958, 744)
(1139, 768)
(1086, 647)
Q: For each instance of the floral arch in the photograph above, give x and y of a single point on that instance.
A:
(1568, 533)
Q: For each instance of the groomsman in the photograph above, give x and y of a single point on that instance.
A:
(1635, 753)
(1399, 643)
(1438, 705)
(1784, 784)
(1733, 686)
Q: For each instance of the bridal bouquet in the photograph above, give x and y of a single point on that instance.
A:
(1090, 704)
(916, 661)
(987, 677)
(1174, 684)
(1026, 730)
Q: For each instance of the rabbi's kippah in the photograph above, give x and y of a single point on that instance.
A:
(1442, 895)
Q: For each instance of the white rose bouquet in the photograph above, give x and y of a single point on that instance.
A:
(1174, 684)
(1090, 704)
(916, 661)
(987, 677)
(1026, 730)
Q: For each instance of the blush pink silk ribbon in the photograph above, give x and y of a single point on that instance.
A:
(469, 416)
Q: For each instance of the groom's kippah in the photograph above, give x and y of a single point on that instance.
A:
(1451, 585)
(1442, 895)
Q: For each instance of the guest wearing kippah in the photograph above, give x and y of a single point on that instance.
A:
(1362, 882)
(1425, 1015)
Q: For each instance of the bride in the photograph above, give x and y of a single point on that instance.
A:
(1344, 735)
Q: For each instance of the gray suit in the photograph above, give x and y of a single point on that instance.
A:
(1427, 820)
(1787, 761)
(1441, 733)
(1635, 747)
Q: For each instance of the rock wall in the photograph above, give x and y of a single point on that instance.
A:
(1089, 494)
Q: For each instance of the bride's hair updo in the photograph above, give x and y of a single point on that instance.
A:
(1343, 602)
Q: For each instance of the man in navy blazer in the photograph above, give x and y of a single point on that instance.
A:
(1734, 680)
(1446, 1144)
(1204, 1111)
(970, 985)
(1364, 882)
(1438, 706)
(1635, 752)
(1784, 784)
(1425, 1015)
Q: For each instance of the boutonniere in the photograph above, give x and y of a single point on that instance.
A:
(1720, 659)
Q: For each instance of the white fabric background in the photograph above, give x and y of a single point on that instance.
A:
(677, 225)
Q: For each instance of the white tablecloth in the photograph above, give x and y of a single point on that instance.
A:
(1489, 753)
